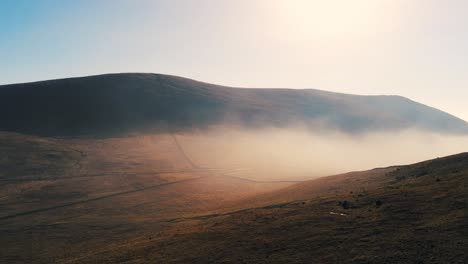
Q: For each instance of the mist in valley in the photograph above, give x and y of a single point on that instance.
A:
(297, 153)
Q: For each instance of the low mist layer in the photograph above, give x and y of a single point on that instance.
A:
(298, 154)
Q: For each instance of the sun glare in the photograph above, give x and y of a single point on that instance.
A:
(330, 17)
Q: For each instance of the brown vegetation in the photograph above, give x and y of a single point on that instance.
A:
(141, 199)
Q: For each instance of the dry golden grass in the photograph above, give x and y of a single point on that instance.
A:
(410, 214)
(61, 198)
(140, 199)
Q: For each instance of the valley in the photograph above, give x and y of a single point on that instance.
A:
(151, 182)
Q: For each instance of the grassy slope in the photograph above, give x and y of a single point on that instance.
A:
(62, 198)
(422, 219)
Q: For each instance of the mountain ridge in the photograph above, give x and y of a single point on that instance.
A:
(132, 102)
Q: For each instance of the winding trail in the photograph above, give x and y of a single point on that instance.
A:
(184, 154)
(91, 176)
(208, 216)
(40, 210)
(211, 171)
(219, 171)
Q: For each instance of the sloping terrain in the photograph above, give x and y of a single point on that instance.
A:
(116, 104)
(405, 214)
(120, 168)
(142, 198)
(63, 197)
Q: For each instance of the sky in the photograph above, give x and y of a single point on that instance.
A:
(413, 48)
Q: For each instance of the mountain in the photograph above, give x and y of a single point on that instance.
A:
(116, 104)
(117, 169)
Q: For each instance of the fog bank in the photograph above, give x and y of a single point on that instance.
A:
(298, 154)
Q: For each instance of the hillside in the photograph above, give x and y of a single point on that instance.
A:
(122, 168)
(406, 214)
(141, 199)
(116, 104)
(59, 197)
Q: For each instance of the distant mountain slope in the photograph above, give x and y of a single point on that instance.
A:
(125, 103)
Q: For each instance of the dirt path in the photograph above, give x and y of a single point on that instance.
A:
(182, 151)
(204, 217)
(92, 176)
(40, 210)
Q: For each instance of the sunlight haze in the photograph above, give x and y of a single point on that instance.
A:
(413, 48)
(233, 131)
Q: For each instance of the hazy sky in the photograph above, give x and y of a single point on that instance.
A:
(414, 48)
